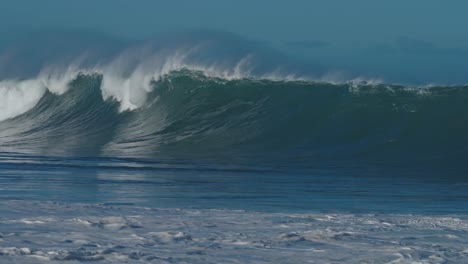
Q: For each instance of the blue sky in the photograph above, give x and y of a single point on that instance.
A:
(399, 40)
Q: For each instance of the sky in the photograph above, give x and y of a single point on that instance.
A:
(399, 40)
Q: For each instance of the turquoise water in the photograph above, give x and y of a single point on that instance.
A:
(209, 142)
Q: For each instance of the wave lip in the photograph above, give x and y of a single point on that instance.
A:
(18, 97)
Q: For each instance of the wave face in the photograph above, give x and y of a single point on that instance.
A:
(194, 115)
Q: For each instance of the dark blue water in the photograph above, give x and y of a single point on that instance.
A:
(354, 189)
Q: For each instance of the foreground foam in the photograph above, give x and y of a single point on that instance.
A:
(79, 232)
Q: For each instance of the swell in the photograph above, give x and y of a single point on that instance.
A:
(187, 114)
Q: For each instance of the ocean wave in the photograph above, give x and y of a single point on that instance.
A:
(213, 95)
(192, 112)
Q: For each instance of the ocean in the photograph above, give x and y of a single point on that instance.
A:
(205, 163)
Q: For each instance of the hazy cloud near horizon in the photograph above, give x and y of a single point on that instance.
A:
(308, 44)
(360, 21)
(356, 36)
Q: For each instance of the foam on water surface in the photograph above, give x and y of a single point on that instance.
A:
(64, 232)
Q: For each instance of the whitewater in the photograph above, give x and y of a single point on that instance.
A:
(215, 149)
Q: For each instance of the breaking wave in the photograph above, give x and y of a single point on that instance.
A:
(222, 97)
(193, 113)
